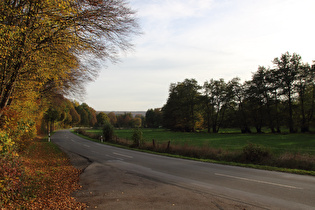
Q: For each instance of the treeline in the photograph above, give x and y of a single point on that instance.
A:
(275, 98)
(64, 113)
(49, 49)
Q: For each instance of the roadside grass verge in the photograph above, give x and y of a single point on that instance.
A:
(294, 153)
(46, 180)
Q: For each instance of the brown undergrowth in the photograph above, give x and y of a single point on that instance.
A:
(46, 179)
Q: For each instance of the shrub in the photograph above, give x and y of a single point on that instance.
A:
(254, 153)
(81, 131)
(137, 137)
(108, 131)
(88, 134)
(296, 161)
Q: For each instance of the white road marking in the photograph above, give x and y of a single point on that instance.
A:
(127, 156)
(114, 157)
(259, 181)
(86, 145)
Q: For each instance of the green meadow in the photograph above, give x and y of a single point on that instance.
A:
(231, 141)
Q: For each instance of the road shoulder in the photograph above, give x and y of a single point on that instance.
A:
(107, 187)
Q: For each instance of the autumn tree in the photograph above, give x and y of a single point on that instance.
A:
(33, 41)
(137, 122)
(75, 117)
(60, 114)
(52, 45)
(112, 118)
(51, 116)
(102, 119)
(50, 48)
(125, 120)
(87, 115)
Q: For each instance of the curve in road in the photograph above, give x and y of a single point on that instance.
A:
(250, 187)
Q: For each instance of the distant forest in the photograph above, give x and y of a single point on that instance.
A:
(282, 97)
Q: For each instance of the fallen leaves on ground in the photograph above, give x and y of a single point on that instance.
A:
(48, 180)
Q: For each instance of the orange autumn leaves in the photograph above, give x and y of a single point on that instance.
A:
(42, 179)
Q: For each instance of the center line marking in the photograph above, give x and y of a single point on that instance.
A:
(127, 156)
(259, 181)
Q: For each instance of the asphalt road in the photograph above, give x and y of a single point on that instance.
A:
(263, 189)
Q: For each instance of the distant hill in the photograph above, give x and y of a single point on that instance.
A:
(134, 113)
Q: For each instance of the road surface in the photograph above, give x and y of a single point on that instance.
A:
(244, 187)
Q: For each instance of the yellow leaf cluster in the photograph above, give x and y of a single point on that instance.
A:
(6, 144)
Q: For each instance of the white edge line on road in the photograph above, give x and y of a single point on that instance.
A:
(127, 156)
(258, 181)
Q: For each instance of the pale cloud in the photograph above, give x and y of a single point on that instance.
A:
(201, 39)
(172, 9)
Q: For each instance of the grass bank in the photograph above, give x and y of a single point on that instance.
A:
(284, 152)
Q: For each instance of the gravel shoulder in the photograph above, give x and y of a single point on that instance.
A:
(107, 187)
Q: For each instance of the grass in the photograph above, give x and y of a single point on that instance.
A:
(277, 143)
(246, 154)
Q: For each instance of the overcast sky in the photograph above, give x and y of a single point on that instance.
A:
(201, 39)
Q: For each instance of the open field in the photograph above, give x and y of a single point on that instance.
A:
(277, 143)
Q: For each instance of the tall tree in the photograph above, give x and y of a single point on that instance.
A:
(237, 92)
(305, 87)
(216, 99)
(153, 118)
(276, 104)
(181, 109)
(50, 43)
(286, 71)
(150, 118)
(256, 95)
(260, 94)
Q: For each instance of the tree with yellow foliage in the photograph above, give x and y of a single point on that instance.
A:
(50, 48)
(52, 45)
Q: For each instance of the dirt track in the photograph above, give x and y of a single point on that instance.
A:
(107, 187)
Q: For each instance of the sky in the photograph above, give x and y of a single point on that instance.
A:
(202, 40)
